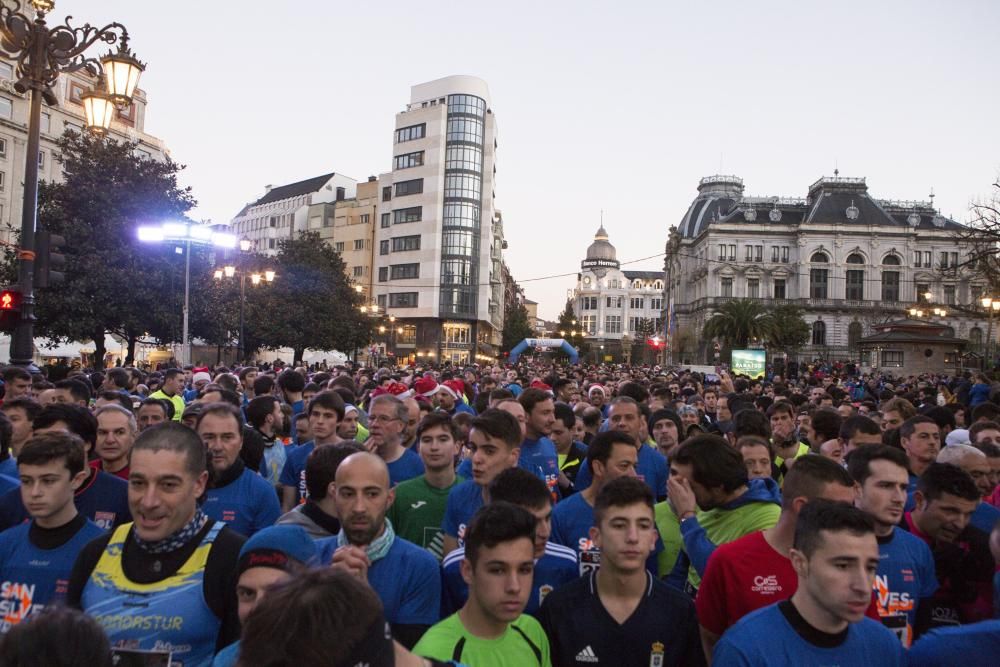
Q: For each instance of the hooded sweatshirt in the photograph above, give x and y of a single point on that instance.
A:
(755, 510)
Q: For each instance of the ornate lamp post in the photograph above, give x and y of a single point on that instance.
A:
(42, 55)
(256, 277)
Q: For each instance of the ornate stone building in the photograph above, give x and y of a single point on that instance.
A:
(850, 260)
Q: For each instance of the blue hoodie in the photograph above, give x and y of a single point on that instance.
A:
(757, 509)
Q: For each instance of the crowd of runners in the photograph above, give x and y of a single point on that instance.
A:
(492, 516)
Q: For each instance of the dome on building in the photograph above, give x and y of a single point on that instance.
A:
(601, 252)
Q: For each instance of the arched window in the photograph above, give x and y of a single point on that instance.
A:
(949, 332)
(819, 257)
(976, 338)
(819, 333)
(853, 335)
(891, 260)
(658, 285)
(855, 258)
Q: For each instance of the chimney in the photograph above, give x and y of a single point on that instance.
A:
(372, 179)
(267, 188)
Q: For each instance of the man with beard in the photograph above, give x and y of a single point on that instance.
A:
(665, 427)
(405, 576)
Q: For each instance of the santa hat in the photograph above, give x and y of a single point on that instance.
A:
(456, 386)
(426, 386)
(538, 384)
(596, 387)
(201, 376)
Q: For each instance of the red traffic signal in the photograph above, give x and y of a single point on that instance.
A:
(10, 299)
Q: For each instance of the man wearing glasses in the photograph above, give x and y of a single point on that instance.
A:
(387, 418)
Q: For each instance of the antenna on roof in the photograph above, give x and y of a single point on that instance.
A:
(932, 197)
(836, 172)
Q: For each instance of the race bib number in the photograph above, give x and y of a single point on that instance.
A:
(897, 623)
(590, 561)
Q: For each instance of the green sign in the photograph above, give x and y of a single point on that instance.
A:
(749, 362)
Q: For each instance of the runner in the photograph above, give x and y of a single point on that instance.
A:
(318, 514)
(325, 410)
(387, 417)
(835, 557)
(490, 630)
(621, 614)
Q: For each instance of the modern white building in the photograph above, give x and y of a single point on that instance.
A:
(611, 305)
(439, 240)
(128, 125)
(284, 211)
(850, 260)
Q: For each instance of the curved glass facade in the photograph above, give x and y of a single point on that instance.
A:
(461, 217)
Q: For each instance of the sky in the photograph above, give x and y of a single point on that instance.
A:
(614, 107)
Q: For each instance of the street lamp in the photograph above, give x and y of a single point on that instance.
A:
(992, 306)
(187, 234)
(42, 55)
(256, 278)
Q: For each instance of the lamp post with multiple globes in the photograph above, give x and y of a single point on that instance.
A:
(256, 278)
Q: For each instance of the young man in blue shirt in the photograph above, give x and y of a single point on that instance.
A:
(905, 579)
(36, 558)
(238, 495)
(326, 409)
(555, 565)
(406, 577)
(538, 452)
(495, 443)
(835, 556)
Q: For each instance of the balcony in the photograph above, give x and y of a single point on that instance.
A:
(713, 302)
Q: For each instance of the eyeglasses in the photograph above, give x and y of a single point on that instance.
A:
(382, 419)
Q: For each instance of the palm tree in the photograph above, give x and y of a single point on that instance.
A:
(737, 322)
(788, 330)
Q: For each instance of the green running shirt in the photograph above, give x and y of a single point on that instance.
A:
(524, 644)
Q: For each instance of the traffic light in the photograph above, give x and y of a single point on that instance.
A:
(10, 309)
(49, 261)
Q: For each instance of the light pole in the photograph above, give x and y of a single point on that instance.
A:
(992, 306)
(187, 234)
(42, 55)
(256, 278)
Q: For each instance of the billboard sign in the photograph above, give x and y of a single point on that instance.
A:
(749, 362)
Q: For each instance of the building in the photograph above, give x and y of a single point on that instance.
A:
(911, 347)
(284, 211)
(440, 238)
(616, 309)
(128, 125)
(349, 226)
(849, 260)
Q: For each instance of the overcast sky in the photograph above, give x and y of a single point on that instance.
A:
(615, 106)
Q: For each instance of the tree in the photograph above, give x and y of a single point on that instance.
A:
(981, 237)
(737, 322)
(515, 325)
(114, 284)
(567, 325)
(644, 330)
(788, 330)
(311, 303)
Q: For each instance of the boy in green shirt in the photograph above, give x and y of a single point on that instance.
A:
(490, 629)
(420, 503)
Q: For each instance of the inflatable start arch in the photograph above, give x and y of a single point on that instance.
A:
(519, 349)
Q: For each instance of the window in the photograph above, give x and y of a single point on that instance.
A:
(613, 302)
(954, 260)
(383, 247)
(819, 333)
(410, 133)
(613, 324)
(41, 159)
(758, 253)
(383, 274)
(927, 259)
(359, 244)
(944, 260)
(656, 304)
(412, 214)
(819, 257)
(408, 160)
(409, 334)
(891, 260)
(727, 287)
(784, 254)
(976, 338)
(722, 252)
(589, 303)
(6, 71)
(465, 157)
(273, 221)
(636, 303)
(949, 295)
(892, 358)
(381, 302)
(589, 323)
(404, 271)
(270, 244)
(923, 289)
(414, 187)
(633, 324)
(774, 253)
(753, 288)
(779, 288)
(6, 108)
(853, 335)
(890, 285)
(46, 123)
(462, 186)
(339, 246)
(457, 242)
(385, 220)
(855, 283)
(456, 272)
(403, 300)
(403, 243)
(387, 193)
(3, 181)
(749, 255)
(817, 283)
(3, 148)
(917, 257)
(855, 258)
(359, 272)
(365, 218)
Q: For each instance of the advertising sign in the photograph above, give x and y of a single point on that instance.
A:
(749, 362)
